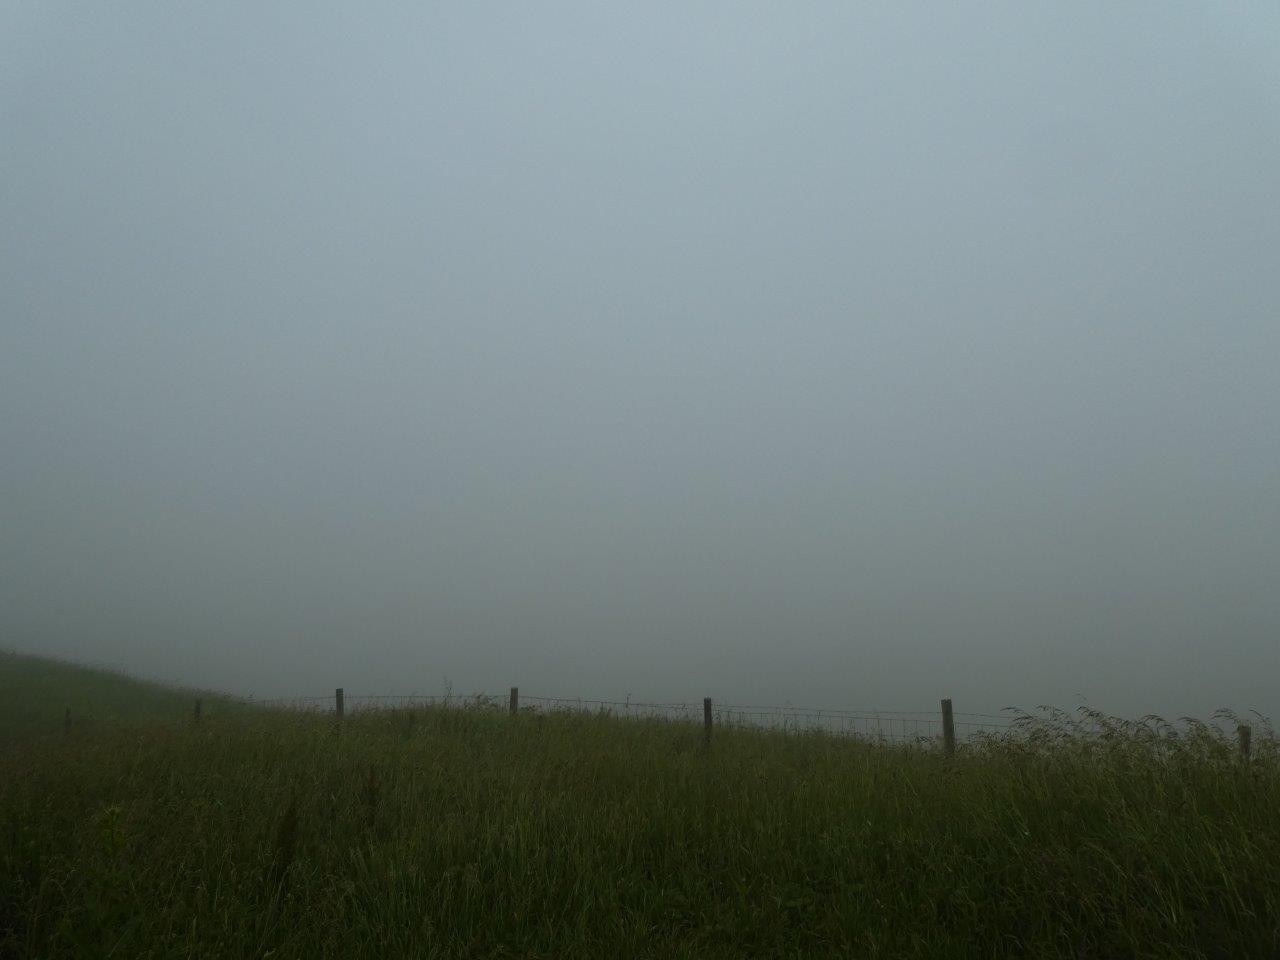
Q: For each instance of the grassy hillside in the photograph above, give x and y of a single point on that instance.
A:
(467, 833)
(36, 692)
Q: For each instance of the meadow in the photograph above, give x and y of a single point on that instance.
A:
(463, 832)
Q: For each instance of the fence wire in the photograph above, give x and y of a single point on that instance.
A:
(923, 728)
(899, 726)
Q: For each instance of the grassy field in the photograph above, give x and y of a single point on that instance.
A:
(36, 693)
(466, 833)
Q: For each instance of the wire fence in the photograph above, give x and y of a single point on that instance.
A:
(944, 729)
(899, 726)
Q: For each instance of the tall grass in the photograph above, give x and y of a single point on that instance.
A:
(467, 833)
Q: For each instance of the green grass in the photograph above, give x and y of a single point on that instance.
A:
(466, 833)
(37, 692)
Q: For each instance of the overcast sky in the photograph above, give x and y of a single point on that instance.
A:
(842, 354)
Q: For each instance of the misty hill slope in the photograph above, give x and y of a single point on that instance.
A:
(36, 692)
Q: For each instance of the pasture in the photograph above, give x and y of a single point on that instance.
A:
(463, 832)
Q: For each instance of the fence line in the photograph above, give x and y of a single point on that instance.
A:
(942, 729)
(904, 726)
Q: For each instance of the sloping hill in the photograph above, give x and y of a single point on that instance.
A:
(37, 692)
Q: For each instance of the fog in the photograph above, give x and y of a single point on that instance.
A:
(849, 355)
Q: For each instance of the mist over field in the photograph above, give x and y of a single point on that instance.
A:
(850, 355)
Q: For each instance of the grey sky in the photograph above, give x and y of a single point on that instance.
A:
(847, 354)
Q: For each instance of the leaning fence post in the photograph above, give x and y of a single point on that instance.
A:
(514, 705)
(337, 702)
(1245, 733)
(706, 719)
(948, 729)
(197, 713)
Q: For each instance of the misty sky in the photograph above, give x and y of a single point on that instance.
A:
(842, 354)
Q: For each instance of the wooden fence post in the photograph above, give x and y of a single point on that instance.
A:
(514, 705)
(337, 702)
(948, 729)
(706, 719)
(1245, 733)
(197, 713)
